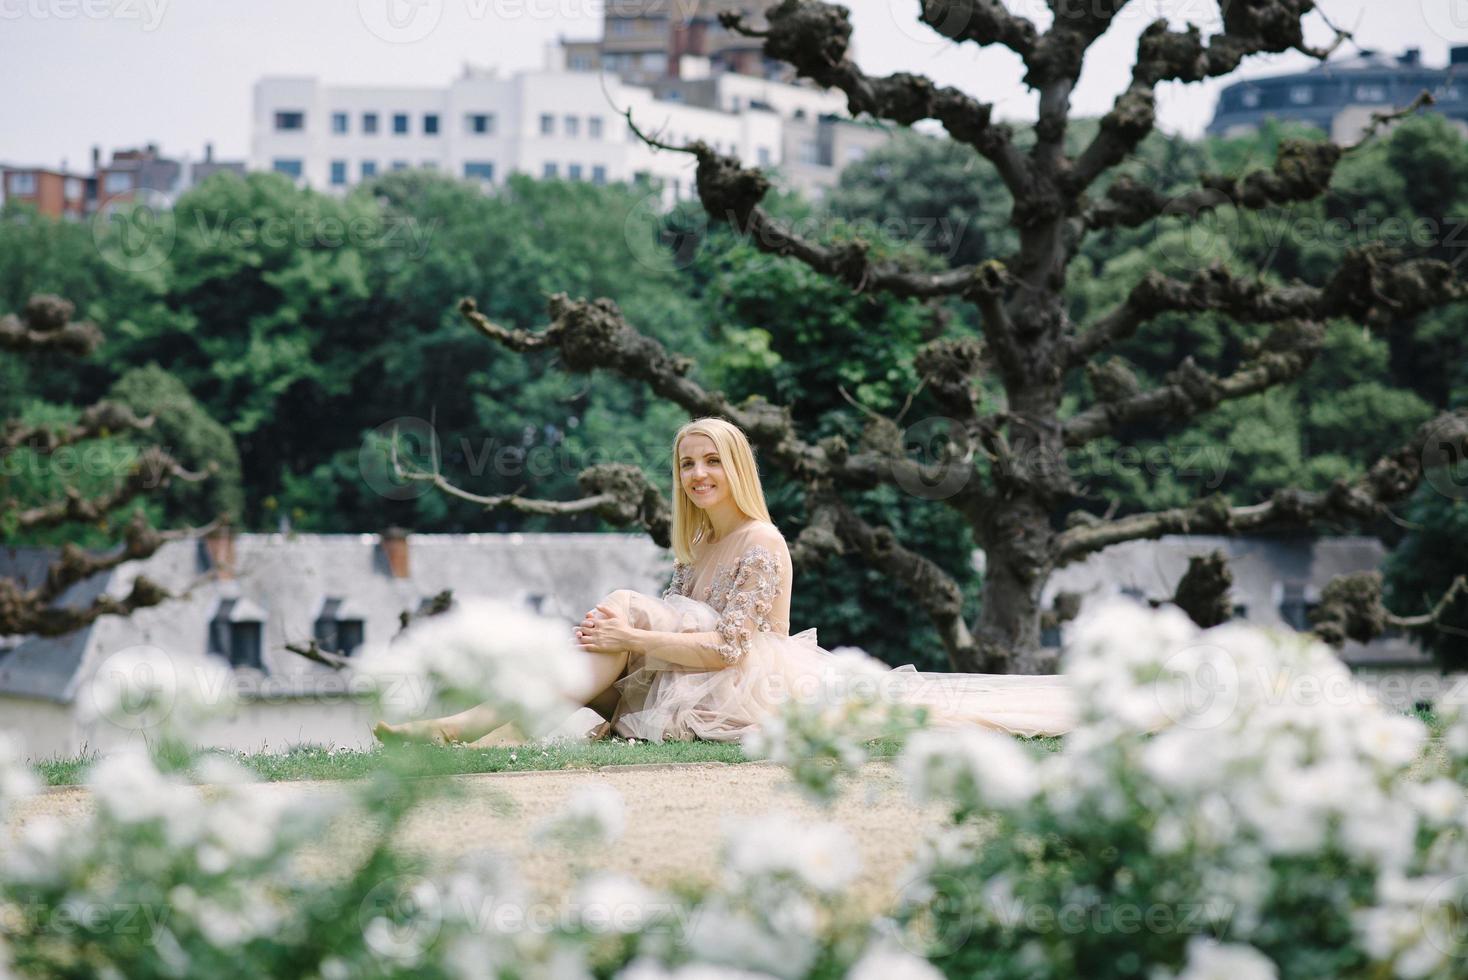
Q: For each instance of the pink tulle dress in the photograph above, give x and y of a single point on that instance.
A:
(734, 600)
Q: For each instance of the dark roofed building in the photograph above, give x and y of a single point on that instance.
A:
(1340, 96)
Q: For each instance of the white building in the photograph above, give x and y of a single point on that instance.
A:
(546, 123)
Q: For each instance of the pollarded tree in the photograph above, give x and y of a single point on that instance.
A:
(1004, 470)
(31, 604)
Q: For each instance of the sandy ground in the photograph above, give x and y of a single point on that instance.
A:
(675, 819)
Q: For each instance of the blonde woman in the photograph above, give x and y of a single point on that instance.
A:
(714, 656)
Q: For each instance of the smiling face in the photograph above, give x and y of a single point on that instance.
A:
(701, 471)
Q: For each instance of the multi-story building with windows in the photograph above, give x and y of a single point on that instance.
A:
(644, 41)
(1341, 96)
(54, 193)
(549, 123)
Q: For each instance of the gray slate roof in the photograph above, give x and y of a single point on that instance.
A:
(1262, 568)
(290, 577)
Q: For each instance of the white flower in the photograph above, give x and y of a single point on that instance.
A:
(1210, 960)
(973, 767)
(1440, 800)
(819, 854)
(521, 663)
(647, 969)
(614, 902)
(884, 960)
(1391, 740)
(594, 813)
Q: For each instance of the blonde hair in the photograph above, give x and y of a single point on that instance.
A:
(690, 523)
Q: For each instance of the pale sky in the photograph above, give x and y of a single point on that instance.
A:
(179, 72)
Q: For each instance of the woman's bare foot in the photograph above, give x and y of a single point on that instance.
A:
(434, 733)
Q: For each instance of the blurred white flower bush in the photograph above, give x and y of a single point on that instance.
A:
(1233, 784)
(481, 650)
(1232, 806)
(822, 735)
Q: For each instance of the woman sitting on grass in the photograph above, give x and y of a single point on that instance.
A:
(714, 656)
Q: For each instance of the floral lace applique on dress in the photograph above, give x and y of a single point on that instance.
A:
(743, 594)
(679, 585)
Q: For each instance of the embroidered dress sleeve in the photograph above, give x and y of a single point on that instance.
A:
(679, 584)
(747, 603)
(743, 599)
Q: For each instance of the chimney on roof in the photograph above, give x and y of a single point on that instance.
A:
(208, 152)
(96, 158)
(218, 551)
(152, 149)
(394, 541)
(1458, 54)
(1412, 56)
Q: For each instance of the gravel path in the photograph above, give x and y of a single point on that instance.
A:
(675, 817)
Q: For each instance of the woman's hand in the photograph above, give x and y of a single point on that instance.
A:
(608, 634)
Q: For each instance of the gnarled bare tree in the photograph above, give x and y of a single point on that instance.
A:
(1028, 339)
(28, 607)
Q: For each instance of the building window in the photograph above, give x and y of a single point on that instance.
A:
(1249, 98)
(572, 126)
(593, 127)
(764, 156)
(810, 152)
(290, 121)
(598, 174)
(573, 171)
(547, 124)
(338, 172)
(1294, 609)
(291, 167)
(1370, 93)
(338, 631)
(623, 26)
(481, 123)
(482, 171)
(581, 62)
(73, 190)
(339, 123)
(430, 124)
(25, 183)
(369, 169)
(400, 124)
(429, 164)
(369, 123)
(1301, 95)
(855, 154)
(116, 183)
(549, 170)
(235, 635)
(398, 165)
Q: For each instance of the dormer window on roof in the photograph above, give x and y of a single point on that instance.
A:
(237, 632)
(341, 627)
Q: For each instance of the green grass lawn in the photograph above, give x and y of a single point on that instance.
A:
(432, 760)
(429, 760)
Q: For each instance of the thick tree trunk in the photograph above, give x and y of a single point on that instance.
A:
(1018, 560)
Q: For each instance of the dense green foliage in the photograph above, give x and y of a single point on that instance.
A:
(301, 324)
